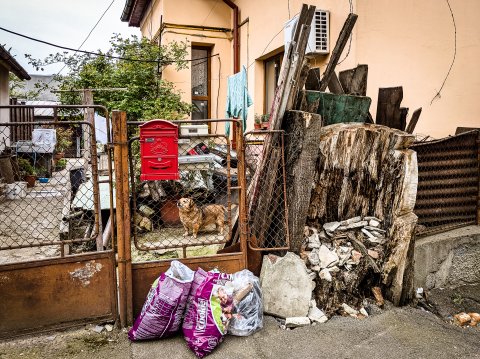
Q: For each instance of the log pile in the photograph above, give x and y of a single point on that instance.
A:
(356, 174)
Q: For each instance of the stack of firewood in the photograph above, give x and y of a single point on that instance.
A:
(342, 171)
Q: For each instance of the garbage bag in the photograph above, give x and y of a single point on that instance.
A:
(164, 307)
(247, 316)
(207, 320)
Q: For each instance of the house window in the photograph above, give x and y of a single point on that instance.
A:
(272, 73)
(200, 82)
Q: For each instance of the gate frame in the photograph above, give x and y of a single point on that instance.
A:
(100, 254)
(135, 279)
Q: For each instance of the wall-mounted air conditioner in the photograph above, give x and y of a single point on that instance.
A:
(318, 40)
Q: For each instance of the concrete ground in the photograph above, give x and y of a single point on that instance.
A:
(397, 333)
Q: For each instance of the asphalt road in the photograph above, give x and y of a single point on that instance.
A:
(397, 333)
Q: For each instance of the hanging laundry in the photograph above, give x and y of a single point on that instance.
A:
(238, 99)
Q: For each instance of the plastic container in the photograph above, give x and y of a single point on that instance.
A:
(194, 130)
(16, 190)
(43, 180)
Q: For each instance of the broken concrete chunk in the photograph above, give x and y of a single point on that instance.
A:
(376, 240)
(356, 256)
(350, 221)
(327, 257)
(98, 329)
(323, 236)
(369, 218)
(286, 286)
(313, 258)
(331, 226)
(109, 327)
(363, 312)
(294, 322)
(373, 223)
(342, 228)
(349, 310)
(368, 234)
(357, 225)
(462, 319)
(316, 315)
(313, 241)
(475, 319)
(325, 275)
(373, 254)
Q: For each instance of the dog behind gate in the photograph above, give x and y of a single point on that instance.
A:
(195, 218)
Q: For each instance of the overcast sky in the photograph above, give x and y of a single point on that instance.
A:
(62, 22)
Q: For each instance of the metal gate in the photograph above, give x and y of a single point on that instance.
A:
(211, 181)
(54, 271)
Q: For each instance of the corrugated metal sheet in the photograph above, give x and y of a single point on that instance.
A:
(448, 182)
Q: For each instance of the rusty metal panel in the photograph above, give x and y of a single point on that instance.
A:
(143, 274)
(448, 182)
(57, 293)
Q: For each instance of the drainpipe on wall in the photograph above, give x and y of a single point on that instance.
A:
(236, 54)
(236, 36)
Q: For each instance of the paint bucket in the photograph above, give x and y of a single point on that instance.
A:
(16, 190)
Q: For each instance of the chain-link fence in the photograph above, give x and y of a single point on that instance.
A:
(49, 204)
(193, 215)
(448, 183)
(266, 194)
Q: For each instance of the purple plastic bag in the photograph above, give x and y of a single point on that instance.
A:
(205, 325)
(163, 310)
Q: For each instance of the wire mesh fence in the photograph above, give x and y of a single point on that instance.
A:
(46, 201)
(448, 183)
(268, 220)
(195, 214)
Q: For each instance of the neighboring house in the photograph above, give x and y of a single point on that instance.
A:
(405, 43)
(7, 64)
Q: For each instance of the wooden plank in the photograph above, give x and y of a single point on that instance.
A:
(388, 107)
(313, 80)
(414, 120)
(338, 49)
(301, 152)
(334, 85)
(354, 81)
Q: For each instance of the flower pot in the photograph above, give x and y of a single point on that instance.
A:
(58, 156)
(30, 179)
(265, 125)
(169, 212)
(257, 126)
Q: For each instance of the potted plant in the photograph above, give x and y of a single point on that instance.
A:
(27, 171)
(61, 164)
(265, 121)
(64, 141)
(258, 122)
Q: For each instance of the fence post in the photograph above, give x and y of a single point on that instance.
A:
(242, 182)
(119, 126)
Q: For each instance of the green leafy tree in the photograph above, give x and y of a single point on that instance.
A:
(144, 95)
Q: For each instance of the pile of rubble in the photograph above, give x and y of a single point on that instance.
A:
(340, 246)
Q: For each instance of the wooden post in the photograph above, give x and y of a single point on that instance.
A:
(414, 120)
(89, 116)
(337, 51)
(119, 126)
(302, 131)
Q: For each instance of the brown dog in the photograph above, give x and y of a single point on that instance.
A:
(193, 218)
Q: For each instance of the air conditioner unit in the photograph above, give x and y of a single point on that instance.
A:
(318, 39)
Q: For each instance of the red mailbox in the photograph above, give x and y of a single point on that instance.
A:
(159, 151)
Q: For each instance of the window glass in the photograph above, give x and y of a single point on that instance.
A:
(199, 72)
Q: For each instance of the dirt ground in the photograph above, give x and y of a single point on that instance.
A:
(396, 333)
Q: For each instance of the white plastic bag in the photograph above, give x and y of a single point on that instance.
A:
(247, 316)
